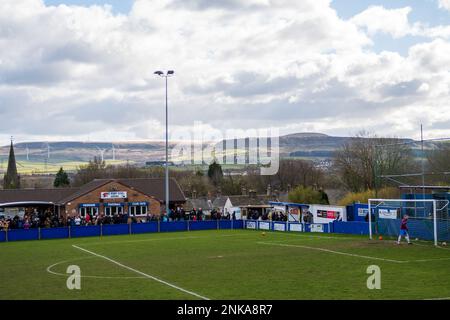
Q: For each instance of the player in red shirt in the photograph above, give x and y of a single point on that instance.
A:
(404, 230)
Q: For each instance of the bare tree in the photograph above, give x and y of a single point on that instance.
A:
(361, 162)
(439, 163)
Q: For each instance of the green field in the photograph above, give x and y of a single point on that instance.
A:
(239, 264)
(36, 167)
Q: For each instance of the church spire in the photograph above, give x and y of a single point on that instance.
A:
(11, 179)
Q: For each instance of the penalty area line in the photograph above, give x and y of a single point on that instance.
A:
(331, 251)
(141, 273)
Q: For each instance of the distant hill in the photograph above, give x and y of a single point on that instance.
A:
(301, 145)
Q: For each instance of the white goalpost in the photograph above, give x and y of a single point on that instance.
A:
(424, 214)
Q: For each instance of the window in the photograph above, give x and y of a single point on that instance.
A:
(111, 211)
(137, 210)
(93, 211)
(83, 211)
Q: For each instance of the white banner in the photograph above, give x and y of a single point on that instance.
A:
(264, 225)
(114, 195)
(362, 212)
(251, 225)
(279, 226)
(316, 228)
(387, 213)
(296, 227)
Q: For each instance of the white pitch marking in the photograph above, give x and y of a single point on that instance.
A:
(428, 260)
(446, 298)
(300, 235)
(142, 273)
(49, 270)
(331, 251)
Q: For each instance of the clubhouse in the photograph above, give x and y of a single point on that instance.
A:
(109, 197)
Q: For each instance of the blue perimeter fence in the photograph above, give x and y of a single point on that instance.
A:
(117, 229)
(340, 227)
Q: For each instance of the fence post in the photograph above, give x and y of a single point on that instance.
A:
(39, 233)
(6, 235)
(70, 233)
(188, 225)
(159, 224)
(101, 230)
(218, 224)
(129, 228)
(232, 224)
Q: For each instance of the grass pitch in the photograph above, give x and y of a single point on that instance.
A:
(239, 264)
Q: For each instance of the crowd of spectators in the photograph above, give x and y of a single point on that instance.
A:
(179, 214)
(47, 219)
(273, 215)
(33, 219)
(266, 215)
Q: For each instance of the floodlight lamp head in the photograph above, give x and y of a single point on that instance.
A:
(170, 72)
(159, 73)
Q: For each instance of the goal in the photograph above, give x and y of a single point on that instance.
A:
(428, 218)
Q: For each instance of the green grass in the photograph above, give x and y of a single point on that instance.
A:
(37, 167)
(238, 264)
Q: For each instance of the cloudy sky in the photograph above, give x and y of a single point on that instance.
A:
(83, 69)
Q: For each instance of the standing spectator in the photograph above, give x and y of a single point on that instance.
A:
(88, 219)
(26, 224)
(77, 220)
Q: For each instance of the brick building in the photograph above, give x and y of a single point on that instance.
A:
(137, 197)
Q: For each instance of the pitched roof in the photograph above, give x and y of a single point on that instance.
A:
(205, 204)
(150, 186)
(219, 202)
(238, 201)
(156, 187)
(84, 189)
(38, 195)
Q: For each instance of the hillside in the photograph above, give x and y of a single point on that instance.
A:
(43, 157)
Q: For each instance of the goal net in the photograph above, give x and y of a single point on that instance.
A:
(428, 218)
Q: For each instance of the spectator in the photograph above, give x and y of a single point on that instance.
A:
(77, 220)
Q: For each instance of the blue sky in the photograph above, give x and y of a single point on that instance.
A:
(119, 6)
(425, 11)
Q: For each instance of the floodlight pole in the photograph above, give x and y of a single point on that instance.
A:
(435, 223)
(166, 75)
(370, 219)
(423, 161)
(167, 152)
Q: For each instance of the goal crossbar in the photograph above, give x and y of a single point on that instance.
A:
(383, 202)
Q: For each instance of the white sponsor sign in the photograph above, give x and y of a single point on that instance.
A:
(362, 212)
(387, 213)
(264, 225)
(251, 225)
(296, 227)
(114, 195)
(316, 228)
(279, 227)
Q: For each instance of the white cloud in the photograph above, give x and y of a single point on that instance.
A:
(378, 19)
(395, 22)
(71, 71)
(444, 4)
